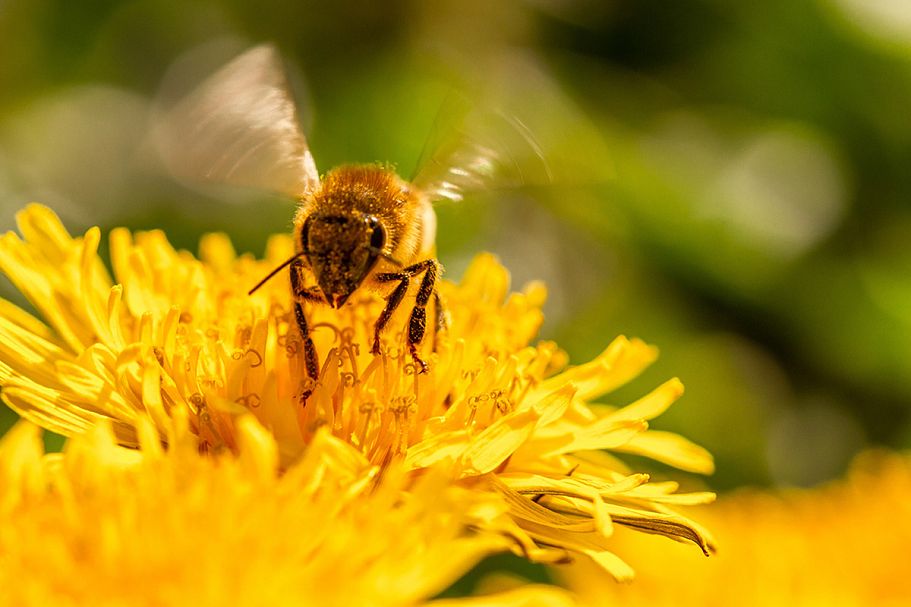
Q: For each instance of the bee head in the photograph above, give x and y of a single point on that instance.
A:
(341, 251)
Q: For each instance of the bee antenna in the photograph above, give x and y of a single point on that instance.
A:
(273, 273)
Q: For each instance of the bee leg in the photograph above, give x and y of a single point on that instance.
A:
(309, 349)
(417, 323)
(312, 294)
(309, 294)
(392, 303)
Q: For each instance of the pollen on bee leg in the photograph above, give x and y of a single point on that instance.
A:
(309, 349)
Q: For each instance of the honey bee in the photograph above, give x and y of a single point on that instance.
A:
(359, 226)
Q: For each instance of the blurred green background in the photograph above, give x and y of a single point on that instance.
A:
(755, 224)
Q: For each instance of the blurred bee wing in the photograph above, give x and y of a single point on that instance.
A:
(527, 133)
(474, 148)
(240, 127)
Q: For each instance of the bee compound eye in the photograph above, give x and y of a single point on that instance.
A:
(305, 235)
(378, 236)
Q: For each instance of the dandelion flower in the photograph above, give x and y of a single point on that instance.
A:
(105, 525)
(169, 332)
(845, 543)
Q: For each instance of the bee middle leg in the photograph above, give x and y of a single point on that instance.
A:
(417, 323)
(309, 294)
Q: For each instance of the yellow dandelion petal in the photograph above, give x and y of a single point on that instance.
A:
(845, 543)
(170, 339)
(20, 467)
(494, 444)
(106, 525)
(670, 449)
(620, 362)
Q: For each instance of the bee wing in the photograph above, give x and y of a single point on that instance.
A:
(474, 147)
(527, 133)
(240, 127)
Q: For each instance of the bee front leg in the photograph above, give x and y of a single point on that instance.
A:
(417, 323)
(392, 302)
(308, 294)
(309, 349)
